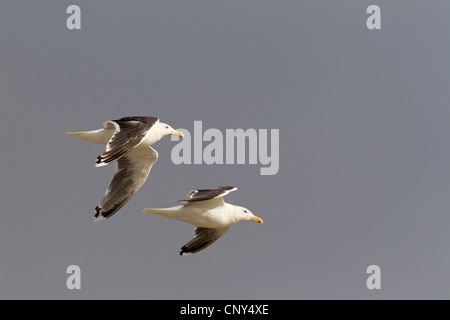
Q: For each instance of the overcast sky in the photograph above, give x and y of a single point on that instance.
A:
(364, 174)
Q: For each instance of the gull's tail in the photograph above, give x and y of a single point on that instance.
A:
(101, 136)
(75, 134)
(170, 213)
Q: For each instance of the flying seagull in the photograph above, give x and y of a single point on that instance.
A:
(128, 142)
(212, 216)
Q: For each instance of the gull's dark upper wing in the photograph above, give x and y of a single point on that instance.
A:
(207, 194)
(130, 131)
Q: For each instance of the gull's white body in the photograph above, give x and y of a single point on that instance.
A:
(201, 215)
(103, 136)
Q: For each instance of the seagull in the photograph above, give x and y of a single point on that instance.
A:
(212, 216)
(128, 142)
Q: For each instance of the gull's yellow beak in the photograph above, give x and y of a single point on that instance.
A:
(257, 219)
(178, 133)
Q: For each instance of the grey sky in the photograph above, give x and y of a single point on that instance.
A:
(364, 147)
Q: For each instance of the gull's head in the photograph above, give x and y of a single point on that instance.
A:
(247, 215)
(168, 130)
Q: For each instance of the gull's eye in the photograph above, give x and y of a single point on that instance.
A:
(167, 127)
(245, 211)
